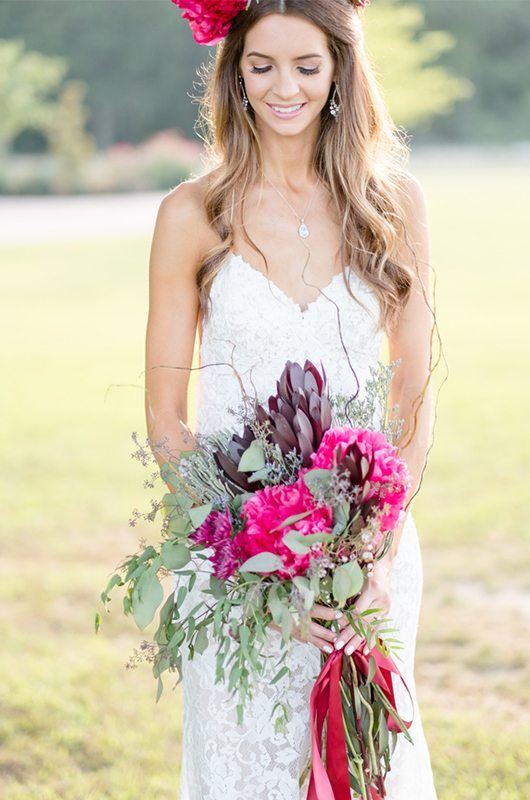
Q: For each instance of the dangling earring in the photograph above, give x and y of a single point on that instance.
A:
(334, 106)
(245, 98)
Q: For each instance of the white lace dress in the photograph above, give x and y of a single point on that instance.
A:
(257, 327)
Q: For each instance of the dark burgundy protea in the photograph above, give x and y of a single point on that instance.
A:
(298, 415)
(359, 469)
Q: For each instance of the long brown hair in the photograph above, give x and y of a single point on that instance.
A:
(360, 157)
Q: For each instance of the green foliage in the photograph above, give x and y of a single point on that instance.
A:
(26, 81)
(403, 52)
(492, 52)
(449, 70)
(348, 580)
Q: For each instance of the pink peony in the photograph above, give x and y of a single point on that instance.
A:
(387, 467)
(216, 532)
(210, 20)
(267, 509)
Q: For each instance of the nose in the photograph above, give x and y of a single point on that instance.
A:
(286, 85)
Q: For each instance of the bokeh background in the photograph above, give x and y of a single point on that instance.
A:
(97, 124)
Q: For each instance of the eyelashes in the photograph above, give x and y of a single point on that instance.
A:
(303, 70)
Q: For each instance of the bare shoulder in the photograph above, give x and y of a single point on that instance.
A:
(182, 226)
(413, 195)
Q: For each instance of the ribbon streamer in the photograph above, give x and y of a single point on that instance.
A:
(331, 782)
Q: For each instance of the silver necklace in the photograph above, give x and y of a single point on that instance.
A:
(303, 230)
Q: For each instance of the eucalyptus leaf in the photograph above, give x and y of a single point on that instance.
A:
(168, 503)
(174, 555)
(275, 604)
(372, 666)
(146, 602)
(198, 514)
(304, 587)
(253, 457)
(315, 584)
(317, 479)
(293, 518)
(217, 588)
(169, 473)
(287, 624)
(341, 515)
(181, 594)
(179, 524)
(201, 642)
(347, 581)
(300, 543)
(116, 580)
(279, 675)
(258, 475)
(177, 638)
(262, 562)
(295, 542)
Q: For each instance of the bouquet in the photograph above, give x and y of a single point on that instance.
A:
(292, 511)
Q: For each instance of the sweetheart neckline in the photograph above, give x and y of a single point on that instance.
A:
(302, 311)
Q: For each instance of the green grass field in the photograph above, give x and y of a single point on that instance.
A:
(74, 724)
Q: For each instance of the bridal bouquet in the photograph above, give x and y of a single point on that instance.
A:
(293, 511)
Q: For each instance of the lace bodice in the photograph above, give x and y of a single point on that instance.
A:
(255, 326)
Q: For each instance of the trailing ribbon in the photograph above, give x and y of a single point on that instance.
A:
(331, 782)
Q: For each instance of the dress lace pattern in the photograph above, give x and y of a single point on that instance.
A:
(255, 328)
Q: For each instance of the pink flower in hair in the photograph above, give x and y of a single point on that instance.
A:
(210, 20)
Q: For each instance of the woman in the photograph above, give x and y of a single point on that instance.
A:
(307, 178)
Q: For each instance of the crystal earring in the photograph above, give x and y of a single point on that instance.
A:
(245, 98)
(334, 106)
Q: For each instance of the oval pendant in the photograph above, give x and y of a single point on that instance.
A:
(303, 230)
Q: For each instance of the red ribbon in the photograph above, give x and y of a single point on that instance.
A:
(331, 782)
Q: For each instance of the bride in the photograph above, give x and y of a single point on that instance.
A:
(306, 238)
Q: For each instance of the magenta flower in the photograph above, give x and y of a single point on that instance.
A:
(216, 532)
(388, 474)
(267, 509)
(210, 20)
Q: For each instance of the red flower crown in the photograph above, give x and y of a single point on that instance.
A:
(210, 20)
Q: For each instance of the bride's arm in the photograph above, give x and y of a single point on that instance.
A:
(410, 340)
(172, 321)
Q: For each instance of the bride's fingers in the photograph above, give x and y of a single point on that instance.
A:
(351, 640)
(324, 612)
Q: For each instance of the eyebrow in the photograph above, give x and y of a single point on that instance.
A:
(270, 58)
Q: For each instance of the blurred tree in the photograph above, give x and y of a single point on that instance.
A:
(65, 130)
(493, 51)
(137, 58)
(402, 53)
(33, 95)
(139, 61)
(26, 80)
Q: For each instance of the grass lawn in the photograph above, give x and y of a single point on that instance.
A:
(74, 724)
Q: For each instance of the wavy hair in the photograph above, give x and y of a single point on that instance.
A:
(360, 156)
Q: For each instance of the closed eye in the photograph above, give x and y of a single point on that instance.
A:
(303, 70)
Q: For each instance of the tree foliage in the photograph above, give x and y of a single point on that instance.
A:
(450, 69)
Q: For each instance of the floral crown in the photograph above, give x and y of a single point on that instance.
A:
(210, 20)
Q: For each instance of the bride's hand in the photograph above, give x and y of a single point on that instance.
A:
(375, 594)
(316, 634)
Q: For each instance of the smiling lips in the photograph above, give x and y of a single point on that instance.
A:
(286, 111)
